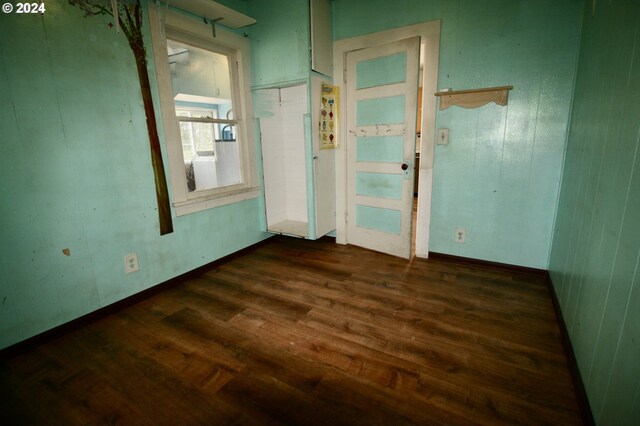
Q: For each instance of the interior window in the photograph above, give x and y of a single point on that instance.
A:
(204, 102)
(206, 108)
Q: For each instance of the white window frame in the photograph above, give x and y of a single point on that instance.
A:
(192, 31)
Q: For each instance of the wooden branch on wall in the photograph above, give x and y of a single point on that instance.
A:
(474, 98)
(128, 18)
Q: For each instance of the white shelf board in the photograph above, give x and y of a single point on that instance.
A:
(183, 97)
(211, 10)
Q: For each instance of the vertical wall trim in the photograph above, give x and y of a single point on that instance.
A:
(566, 138)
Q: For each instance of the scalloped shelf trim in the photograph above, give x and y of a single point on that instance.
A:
(474, 98)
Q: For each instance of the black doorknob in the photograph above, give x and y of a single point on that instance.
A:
(405, 166)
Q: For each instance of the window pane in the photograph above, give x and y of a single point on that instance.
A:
(202, 89)
(228, 155)
(197, 139)
(215, 164)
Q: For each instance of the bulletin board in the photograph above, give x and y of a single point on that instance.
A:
(328, 124)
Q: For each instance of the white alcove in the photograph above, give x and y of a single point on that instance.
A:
(283, 112)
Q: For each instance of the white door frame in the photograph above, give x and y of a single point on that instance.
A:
(429, 33)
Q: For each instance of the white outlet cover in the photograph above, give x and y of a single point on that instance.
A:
(130, 263)
(460, 236)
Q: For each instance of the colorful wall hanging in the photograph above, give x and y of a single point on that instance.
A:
(328, 124)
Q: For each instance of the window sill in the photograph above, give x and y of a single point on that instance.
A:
(211, 201)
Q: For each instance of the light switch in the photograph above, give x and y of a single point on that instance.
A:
(443, 136)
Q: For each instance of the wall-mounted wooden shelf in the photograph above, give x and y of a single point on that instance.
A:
(474, 98)
(213, 11)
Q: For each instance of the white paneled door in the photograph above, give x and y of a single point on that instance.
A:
(382, 90)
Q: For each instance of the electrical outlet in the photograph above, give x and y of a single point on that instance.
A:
(130, 263)
(461, 234)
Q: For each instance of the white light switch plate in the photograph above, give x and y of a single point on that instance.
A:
(443, 136)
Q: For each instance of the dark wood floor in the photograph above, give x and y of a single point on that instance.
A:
(301, 332)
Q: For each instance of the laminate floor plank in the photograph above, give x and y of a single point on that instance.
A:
(379, 367)
(309, 332)
(412, 320)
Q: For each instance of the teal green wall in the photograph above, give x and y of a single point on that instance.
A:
(75, 173)
(279, 41)
(499, 176)
(596, 246)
